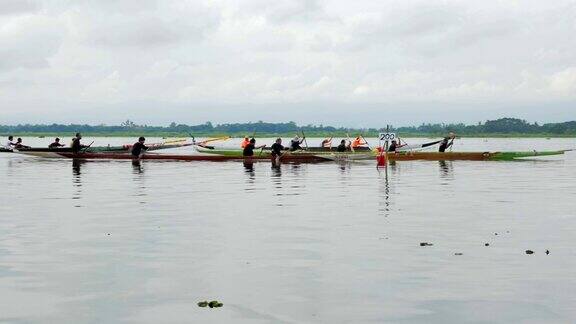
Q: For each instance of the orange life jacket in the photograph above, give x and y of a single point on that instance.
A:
(357, 143)
(245, 143)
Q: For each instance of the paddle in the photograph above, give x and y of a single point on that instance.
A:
(365, 141)
(305, 141)
(87, 147)
(283, 155)
(350, 142)
(452, 143)
(261, 150)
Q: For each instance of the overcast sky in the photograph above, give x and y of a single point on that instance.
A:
(349, 63)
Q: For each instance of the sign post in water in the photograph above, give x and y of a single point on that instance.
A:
(383, 140)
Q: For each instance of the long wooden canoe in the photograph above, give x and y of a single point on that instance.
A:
(288, 158)
(97, 149)
(402, 156)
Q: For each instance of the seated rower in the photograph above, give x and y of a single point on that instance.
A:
(249, 149)
(358, 142)
(394, 146)
(139, 148)
(295, 143)
(245, 142)
(55, 144)
(342, 147)
(9, 144)
(76, 145)
(447, 142)
(19, 144)
(326, 143)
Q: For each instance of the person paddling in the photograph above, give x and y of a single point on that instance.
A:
(447, 142)
(326, 143)
(76, 145)
(9, 144)
(55, 144)
(139, 148)
(245, 142)
(19, 144)
(342, 147)
(358, 142)
(296, 142)
(249, 149)
(277, 149)
(395, 145)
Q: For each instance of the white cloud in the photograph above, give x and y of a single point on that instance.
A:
(257, 53)
(564, 82)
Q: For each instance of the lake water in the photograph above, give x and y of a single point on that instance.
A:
(109, 242)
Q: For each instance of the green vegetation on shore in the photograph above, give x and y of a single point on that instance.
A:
(504, 127)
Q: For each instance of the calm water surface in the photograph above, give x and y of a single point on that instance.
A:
(109, 242)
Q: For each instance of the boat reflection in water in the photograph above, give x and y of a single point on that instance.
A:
(77, 169)
(77, 181)
(446, 170)
(384, 188)
(250, 172)
(249, 165)
(137, 166)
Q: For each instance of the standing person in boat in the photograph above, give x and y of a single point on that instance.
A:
(358, 142)
(277, 149)
(249, 149)
(326, 143)
(9, 144)
(245, 142)
(447, 142)
(342, 147)
(296, 142)
(55, 144)
(76, 145)
(139, 148)
(19, 144)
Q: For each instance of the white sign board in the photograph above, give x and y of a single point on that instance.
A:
(387, 136)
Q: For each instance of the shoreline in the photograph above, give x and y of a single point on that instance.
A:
(269, 135)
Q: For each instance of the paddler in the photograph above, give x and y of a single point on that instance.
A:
(249, 149)
(358, 142)
(245, 142)
(326, 143)
(296, 142)
(342, 147)
(139, 148)
(447, 142)
(76, 145)
(19, 144)
(277, 149)
(55, 144)
(9, 144)
(395, 145)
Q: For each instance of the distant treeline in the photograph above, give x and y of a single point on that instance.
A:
(499, 127)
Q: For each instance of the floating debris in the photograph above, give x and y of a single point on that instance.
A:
(486, 244)
(212, 304)
(458, 253)
(547, 252)
(215, 303)
(529, 252)
(426, 244)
